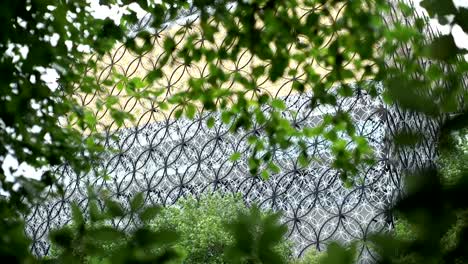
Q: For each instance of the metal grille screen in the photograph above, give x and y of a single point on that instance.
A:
(168, 158)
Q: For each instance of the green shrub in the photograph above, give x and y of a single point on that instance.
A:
(202, 226)
(311, 256)
(403, 230)
(452, 163)
(82, 254)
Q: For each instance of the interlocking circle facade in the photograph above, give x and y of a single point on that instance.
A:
(168, 158)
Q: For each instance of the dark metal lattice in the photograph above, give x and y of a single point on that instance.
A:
(168, 158)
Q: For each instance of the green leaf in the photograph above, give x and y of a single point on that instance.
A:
(339, 145)
(443, 48)
(62, 237)
(312, 132)
(210, 122)
(90, 142)
(145, 237)
(94, 211)
(273, 167)
(137, 202)
(253, 165)
(312, 20)
(120, 116)
(404, 33)
(235, 156)
(190, 111)
(439, 8)
(303, 160)
(114, 209)
(108, 82)
(111, 100)
(163, 105)
(169, 45)
(461, 18)
(178, 113)
(90, 119)
(339, 254)
(407, 138)
(149, 213)
(77, 215)
(226, 117)
(279, 64)
(106, 234)
(258, 71)
(278, 104)
(255, 237)
(298, 86)
(263, 99)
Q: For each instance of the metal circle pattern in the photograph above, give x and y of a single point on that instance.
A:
(168, 158)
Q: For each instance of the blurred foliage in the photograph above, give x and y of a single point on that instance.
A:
(452, 164)
(435, 222)
(256, 238)
(453, 160)
(193, 230)
(41, 34)
(201, 225)
(311, 256)
(91, 237)
(432, 225)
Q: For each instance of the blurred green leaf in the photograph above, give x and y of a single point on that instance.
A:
(62, 237)
(337, 253)
(443, 48)
(94, 211)
(210, 122)
(114, 209)
(235, 156)
(149, 213)
(106, 234)
(278, 104)
(77, 215)
(137, 201)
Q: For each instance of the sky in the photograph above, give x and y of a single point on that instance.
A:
(50, 76)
